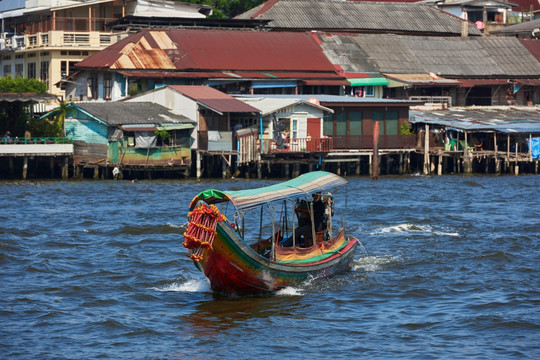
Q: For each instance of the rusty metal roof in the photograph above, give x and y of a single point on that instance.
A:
(213, 50)
(214, 99)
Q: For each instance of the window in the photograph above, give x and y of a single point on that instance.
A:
(44, 71)
(19, 69)
(107, 86)
(355, 122)
(328, 124)
(7, 69)
(294, 132)
(370, 91)
(341, 124)
(392, 123)
(91, 87)
(31, 70)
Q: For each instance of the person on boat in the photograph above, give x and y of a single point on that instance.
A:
(305, 229)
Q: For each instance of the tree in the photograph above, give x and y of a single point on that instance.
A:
(227, 9)
(22, 85)
(14, 116)
(56, 119)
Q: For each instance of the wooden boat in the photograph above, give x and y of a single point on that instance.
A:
(225, 235)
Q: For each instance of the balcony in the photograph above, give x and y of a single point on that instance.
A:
(303, 145)
(69, 24)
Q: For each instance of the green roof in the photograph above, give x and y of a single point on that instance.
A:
(368, 81)
(306, 184)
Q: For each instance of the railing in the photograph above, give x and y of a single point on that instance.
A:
(433, 99)
(35, 140)
(74, 38)
(69, 24)
(303, 145)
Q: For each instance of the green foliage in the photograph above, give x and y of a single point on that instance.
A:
(162, 134)
(22, 85)
(54, 123)
(226, 9)
(406, 129)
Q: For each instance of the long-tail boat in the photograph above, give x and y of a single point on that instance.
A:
(264, 239)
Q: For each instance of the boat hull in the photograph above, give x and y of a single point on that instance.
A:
(234, 268)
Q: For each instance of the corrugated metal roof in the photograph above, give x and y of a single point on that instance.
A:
(358, 16)
(213, 50)
(508, 119)
(422, 80)
(26, 97)
(533, 45)
(521, 28)
(444, 56)
(124, 113)
(328, 100)
(214, 99)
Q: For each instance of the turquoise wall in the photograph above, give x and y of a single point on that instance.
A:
(81, 127)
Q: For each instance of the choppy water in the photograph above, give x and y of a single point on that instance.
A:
(448, 269)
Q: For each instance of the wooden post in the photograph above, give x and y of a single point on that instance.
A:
(439, 165)
(370, 165)
(199, 170)
(11, 166)
(467, 157)
(96, 173)
(357, 170)
(25, 168)
(375, 170)
(401, 165)
(426, 150)
(51, 166)
(516, 166)
(296, 172)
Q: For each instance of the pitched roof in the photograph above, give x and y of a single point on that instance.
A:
(446, 56)
(214, 99)
(212, 50)
(124, 113)
(525, 28)
(358, 16)
(508, 119)
(269, 105)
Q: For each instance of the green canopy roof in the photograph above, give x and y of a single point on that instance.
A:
(309, 183)
(368, 81)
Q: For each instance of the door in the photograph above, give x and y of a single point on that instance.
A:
(313, 134)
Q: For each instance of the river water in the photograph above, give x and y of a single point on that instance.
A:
(96, 269)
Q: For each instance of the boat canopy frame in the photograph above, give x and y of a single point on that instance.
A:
(306, 184)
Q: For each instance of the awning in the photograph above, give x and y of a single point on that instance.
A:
(175, 126)
(423, 79)
(533, 82)
(138, 127)
(303, 185)
(368, 81)
(482, 82)
(326, 82)
(272, 84)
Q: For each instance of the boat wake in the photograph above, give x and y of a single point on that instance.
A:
(290, 291)
(374, 263)
(194, 285)
(414, 229)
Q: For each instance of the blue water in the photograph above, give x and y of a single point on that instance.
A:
(96, 269)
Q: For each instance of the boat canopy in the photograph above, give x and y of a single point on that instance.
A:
(305, 184)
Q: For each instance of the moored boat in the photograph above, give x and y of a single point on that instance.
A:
(264, 239)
